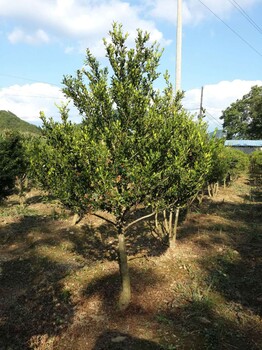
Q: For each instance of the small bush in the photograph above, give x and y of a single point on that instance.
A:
(12, 162)
(255, 167)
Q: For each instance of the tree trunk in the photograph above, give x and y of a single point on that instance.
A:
(170, 228)
(22, 184)
(156, 222)
(125, 294)
(209, 191)
(212, 189)
(165, 221)
(172, 242)
(200, 196)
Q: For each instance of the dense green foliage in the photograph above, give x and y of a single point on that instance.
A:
(237, 162)
(243, 118)
(135, 146)
(219, 166)
(9, 121)
(227, 165)
(256, 167)
(60, 162)
(13, 163)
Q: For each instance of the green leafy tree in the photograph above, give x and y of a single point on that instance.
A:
(184, 161)
(237, 161)
(60, 161)
(243, 118)
(13, 164)
(255, 167)
(226, 166)
(135, 145)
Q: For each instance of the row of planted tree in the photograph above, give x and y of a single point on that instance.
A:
(136, 147)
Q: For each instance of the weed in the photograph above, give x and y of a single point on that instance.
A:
(17, 211)
(65, 295)
(163, 319)
(170, 347)
(220, 267)
(59, 215)
(67, 246)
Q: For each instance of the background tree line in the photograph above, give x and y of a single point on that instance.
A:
(243, 118)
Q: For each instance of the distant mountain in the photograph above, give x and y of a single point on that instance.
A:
(9, 121)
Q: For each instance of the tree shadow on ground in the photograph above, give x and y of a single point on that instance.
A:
(203, 326)
(107, 288)
(100, 242)
(140, 240)
(19, 229)
(233, 238)
(237, 274)
(33, 304)
(112, 340)
(101, 318)
(243, 212)
(240, 221)
(91, 242)
(236, 270)
(40, 198)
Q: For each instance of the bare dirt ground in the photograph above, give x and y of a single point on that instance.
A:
(59, 283)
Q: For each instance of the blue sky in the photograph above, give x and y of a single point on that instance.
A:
(40, 41)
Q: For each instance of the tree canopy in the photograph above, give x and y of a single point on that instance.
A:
(13, 163)
(243, 118)
(135, 146)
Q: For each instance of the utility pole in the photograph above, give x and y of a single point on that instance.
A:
(178, 46)
(201, 104)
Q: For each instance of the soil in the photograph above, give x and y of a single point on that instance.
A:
(59, 283)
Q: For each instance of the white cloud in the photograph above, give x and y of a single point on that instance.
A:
(81, 23)
(193, 10)
(26, 101)
(19, 35)
(87, 21)
(217, 97)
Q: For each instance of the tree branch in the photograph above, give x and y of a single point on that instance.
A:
(139, 219)
(103, 218)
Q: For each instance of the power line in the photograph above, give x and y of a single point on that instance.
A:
(206, 114)
(209, 114)
(247, 17)
(232, 30)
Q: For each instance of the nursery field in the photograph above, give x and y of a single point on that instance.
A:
(59, 283)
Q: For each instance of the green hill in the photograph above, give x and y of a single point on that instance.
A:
(9, 121)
